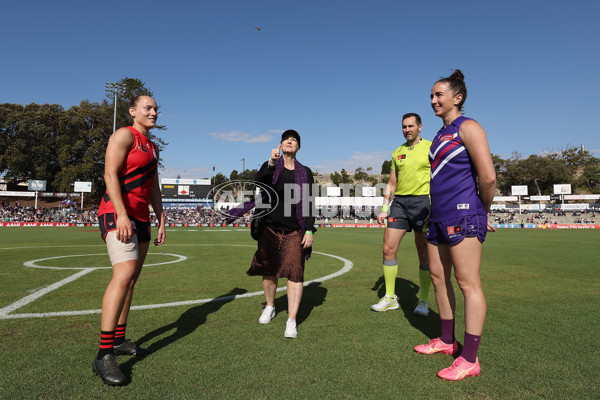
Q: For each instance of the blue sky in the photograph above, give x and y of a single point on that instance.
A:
(341, 73)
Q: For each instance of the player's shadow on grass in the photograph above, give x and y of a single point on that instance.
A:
(187, 323)
(313, 296)
(407, 299)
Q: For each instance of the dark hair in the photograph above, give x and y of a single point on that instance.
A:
(457, 86)
(417, 117)
(135, 99)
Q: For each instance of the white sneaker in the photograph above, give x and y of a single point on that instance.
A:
(422, 308)
(267, 315)
(291, 330)
(386, 303)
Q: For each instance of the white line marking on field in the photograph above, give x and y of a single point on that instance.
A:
(4, 314)
(32, 297)
(33, 263)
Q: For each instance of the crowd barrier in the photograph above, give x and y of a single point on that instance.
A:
(328, 225)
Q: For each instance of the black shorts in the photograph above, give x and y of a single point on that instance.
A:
(140, 228)
(409, 212)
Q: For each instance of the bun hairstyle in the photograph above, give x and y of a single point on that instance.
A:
(456, 81)
(134, 100)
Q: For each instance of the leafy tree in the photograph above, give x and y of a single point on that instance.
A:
(360, 175)
(43, 141)
(248, 174)
(545, 170)
(87, 128)
(218, 179)
(386, 167)
(500, 167)
(336, 178)
(346, 178)
(590, 178)
(30, 136)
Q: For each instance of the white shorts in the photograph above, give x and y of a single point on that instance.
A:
(119, 251)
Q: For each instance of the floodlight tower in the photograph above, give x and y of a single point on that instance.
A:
(118, 89)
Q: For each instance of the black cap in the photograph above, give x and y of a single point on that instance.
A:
(291, 132)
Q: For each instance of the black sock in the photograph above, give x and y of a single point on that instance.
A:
(120, 334)
(106, 344)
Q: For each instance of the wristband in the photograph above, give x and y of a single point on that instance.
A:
(385, 208)
(309, 232)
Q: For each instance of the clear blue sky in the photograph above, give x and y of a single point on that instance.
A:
(341, 73)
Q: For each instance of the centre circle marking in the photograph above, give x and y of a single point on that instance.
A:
(6, 312)
(33, 263)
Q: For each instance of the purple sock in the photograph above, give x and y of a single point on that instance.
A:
(470, 347)
(447, 331)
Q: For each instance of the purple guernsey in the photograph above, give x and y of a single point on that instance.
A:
(453, 176)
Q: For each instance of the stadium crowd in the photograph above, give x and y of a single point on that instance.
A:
(203, 215)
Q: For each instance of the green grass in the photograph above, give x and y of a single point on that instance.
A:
(542, 289)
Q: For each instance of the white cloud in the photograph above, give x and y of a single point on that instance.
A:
(357, 159)
(237, 136)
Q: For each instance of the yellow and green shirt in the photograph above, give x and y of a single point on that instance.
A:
(412, 168)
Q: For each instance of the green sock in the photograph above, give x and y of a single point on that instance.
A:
(389, 273)
(424, 281)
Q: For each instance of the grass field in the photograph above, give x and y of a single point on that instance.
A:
(542, 288)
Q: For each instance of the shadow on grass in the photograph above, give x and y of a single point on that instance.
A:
(407, 299)
(187, 323)
(313, 296)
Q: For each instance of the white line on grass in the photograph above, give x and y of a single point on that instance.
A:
(32, 297)
(347, 267)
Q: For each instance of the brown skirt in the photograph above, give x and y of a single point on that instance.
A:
(279, 254)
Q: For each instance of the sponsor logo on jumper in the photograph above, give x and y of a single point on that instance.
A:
(462, 206)
(445, 138)
(401, 156)
(454, 230)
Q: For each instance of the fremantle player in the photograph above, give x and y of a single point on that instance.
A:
(463, 182)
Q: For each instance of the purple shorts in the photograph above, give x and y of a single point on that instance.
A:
(455, 230)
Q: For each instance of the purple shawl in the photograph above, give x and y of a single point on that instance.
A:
(300, 178)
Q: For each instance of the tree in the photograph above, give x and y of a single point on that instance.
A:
(30, 136)
(590, 178)
(47, 142)
(346, 178)
(360, 175)
(386, 167)
(336, 178)
(545, 170)
(500, 167)
(87, 128)
(218, 179)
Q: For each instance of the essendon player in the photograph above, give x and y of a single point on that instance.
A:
(132, 184)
